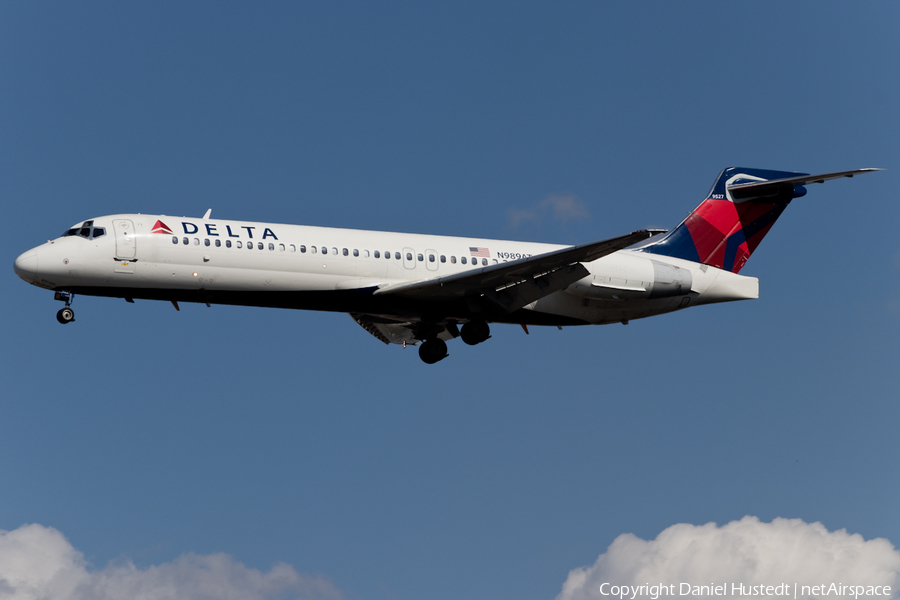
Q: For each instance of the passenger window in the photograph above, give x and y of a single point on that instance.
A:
(421, 258)
(237, 244)
(228, 243)
(249, 245)
(366, 254)
(345, 252)
(185, 241)
(281, 247)
(494, 261)
(174, 239)
(484, 262)
(218, 243)
(443, 258)
(302, 248)
(377, 254)
(409, 256)
(453, 260)
(206, 242)
(324, 250)
(355, 252)
(334, 251)
(388, 255)
(196, 242)
(431, 258)
(312, 249)
(271, 246)
(463, 260)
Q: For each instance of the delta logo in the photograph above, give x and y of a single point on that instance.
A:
(161, 227)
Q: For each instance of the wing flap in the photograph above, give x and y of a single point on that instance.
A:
(517, 296)
(389, 333)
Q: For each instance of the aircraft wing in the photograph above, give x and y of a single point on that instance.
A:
(517, 283)
(774, 186)
(387, 332)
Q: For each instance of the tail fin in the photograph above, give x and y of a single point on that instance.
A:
(738, 212)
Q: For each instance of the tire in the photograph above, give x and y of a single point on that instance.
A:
(475, 332)
(432, 351)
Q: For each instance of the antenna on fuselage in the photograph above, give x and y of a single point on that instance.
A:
(208, 212)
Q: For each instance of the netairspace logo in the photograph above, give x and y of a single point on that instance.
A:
(787, 590)
(786, 558)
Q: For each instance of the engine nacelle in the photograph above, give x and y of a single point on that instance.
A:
(669, 280)
(631, 277)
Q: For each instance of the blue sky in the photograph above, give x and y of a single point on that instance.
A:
(144, 434)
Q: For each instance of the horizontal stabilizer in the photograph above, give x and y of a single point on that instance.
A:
(772, 187)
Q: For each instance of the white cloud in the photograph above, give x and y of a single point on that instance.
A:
(38, 563)
(566, 208)
(742, 552)
(560, 208)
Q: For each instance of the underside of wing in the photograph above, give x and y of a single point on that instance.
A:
(403, 332)
(515, 284)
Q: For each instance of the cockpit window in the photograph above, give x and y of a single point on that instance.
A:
(86, 230)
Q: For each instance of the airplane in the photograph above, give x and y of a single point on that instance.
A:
(425, 290)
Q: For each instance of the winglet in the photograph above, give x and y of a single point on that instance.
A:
(208, 212)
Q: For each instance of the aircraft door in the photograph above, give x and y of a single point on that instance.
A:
(409, 258)
(126, 245)
(431, 260)
(125, 242)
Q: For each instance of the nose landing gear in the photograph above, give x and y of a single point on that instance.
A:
(65, 315)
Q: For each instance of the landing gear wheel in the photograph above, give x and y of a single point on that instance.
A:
(431, 351)
(65, 315)
(475, 332)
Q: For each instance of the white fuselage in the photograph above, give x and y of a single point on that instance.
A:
(321, 268)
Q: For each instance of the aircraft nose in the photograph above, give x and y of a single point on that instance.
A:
(27, 265)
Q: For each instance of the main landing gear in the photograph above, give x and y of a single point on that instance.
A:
(475, 332)
(433, 350)
(65, 315)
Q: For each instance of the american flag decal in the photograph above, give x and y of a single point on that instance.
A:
(479, 251)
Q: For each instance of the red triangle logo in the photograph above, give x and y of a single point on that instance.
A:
(161, 227)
